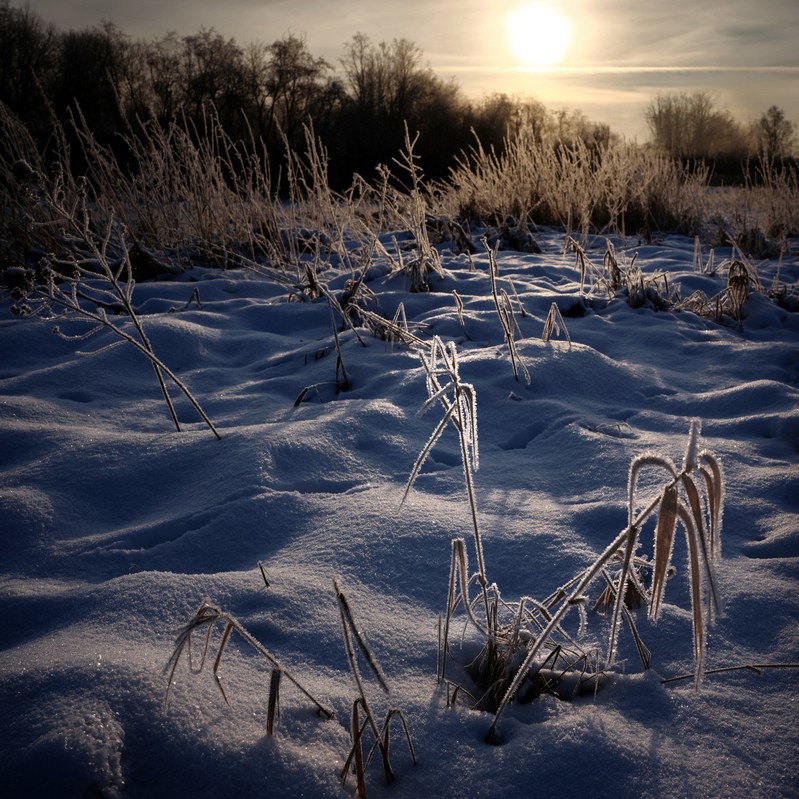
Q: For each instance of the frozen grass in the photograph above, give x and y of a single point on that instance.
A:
(114, 532)
(208, 616)
(523, 638)
(196, 196)
(623, 188)
(91, 281)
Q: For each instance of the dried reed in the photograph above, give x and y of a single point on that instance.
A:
(86, 286)
(208, 616)
(354, 643)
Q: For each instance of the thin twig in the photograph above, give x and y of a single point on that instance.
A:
(755, 667)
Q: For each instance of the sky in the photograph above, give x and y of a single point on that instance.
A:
(620, 53)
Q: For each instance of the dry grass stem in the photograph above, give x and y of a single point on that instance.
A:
(354, 643)
(670, 506)
(85, 287)
(554, 325)
(504, 309)
(207, 617)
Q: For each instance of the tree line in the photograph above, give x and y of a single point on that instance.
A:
(271, 93)
(692, 126)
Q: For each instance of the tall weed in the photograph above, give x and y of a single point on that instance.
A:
(96, 279)
(623, 187)
(526, 649)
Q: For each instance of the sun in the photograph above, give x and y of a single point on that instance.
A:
(538, 35)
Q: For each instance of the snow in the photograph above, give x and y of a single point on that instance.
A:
(115, 528)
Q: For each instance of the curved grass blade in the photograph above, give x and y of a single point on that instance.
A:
(664, 542)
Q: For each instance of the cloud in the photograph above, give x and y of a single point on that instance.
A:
(687, 32)
(624, 51)
(607, 32)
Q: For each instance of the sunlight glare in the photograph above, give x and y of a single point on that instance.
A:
(538, 35)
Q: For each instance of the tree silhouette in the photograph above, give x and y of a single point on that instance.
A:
(775, 134)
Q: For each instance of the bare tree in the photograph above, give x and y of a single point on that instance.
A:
(775, 135)
(294, 80)
(214, 73)
(28, 55)
(163, 58)
(387, 86)
(689, 125)
(387, 80)
(89, 63)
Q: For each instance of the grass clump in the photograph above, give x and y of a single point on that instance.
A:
(526, 649)
(208, 618)
(692, 496)
(409, 210)
(354, 644)
(729, 305)
(95, 278)
(189, 192)
(619, 187)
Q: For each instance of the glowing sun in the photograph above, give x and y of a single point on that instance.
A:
(538, 35)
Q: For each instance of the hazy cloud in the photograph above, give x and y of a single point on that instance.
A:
(687, 39)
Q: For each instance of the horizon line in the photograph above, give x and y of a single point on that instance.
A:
(622, 70)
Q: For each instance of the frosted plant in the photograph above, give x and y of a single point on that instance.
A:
(566, 669)
(342, 381)
(95, 279)
(426, 259)
(508, 628)
(208, 616)
(742, 280)
(680, 500)
(506, 315)
(355, 642)
(527, 651)
(582, 261)
(692, 495)
(459, 402)
(627, 278)
(555, 325)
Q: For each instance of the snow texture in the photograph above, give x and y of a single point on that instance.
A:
(115, 528)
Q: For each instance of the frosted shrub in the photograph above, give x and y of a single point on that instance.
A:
(526, 649)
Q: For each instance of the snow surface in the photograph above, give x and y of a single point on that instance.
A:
(115, 527)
